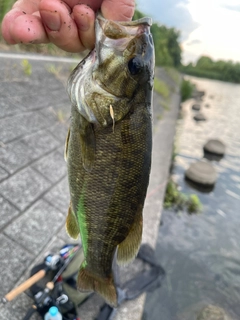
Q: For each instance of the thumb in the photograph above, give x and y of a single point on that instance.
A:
(118, 10)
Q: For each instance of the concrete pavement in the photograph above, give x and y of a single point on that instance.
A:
(34, 118)
(34, 115)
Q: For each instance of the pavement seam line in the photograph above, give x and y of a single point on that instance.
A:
(30, 164)
(38, 57)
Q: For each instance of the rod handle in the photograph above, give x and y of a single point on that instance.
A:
(25, 285)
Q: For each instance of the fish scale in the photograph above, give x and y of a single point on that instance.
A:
(108, 150)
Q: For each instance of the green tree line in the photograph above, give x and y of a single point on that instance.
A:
(166, 41)
(219, 70)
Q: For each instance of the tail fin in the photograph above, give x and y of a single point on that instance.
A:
(103, 286)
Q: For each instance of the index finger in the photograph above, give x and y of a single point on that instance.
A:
(26, 6)
(20, 8)
(93, 4)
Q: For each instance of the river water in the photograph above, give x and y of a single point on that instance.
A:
(201, 253)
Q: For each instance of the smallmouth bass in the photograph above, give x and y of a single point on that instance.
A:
(108, 149)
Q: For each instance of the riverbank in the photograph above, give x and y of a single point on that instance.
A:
(34, 118)
(201, 252)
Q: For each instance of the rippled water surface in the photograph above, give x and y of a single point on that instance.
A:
(201, 253)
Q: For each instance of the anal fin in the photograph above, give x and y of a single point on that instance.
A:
(71, 224)
(128, 248)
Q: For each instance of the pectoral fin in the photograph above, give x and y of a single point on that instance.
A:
(71, 224)
(87, 142)
(128, 248)
(66, 145)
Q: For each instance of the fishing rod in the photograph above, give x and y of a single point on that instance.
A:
(52, 262)
(43, 298)
(55, 263)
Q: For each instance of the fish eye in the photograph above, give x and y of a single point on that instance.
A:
(134, 66)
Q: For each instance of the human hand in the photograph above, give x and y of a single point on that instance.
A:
(68, 24)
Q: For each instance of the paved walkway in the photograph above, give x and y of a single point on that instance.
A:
(34, 118)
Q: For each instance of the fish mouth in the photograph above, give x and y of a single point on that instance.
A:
(146, 21)
(123, 31)
(119, 30)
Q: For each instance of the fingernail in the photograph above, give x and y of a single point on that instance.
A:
(51, 20)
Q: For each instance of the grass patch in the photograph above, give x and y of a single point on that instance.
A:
(161, 88)
(174, 152)
(165, 106)
(173, 74)
(5, 6)
(27, 67)
(194, 204)
(55, 70)
(180, 201)
(186, 90)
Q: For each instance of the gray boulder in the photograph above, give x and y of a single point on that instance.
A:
(201, 172)
(199, 117)
(199, 99)
(198, 94)
(201, 93)
(196, 107)
(212, 313)
(215, 146)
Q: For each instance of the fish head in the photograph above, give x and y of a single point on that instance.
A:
(124, 56)
(118, 73)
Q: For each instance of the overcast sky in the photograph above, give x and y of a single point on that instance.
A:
(208, 27)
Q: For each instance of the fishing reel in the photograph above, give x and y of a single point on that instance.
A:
(50, 291)
(53, 262)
